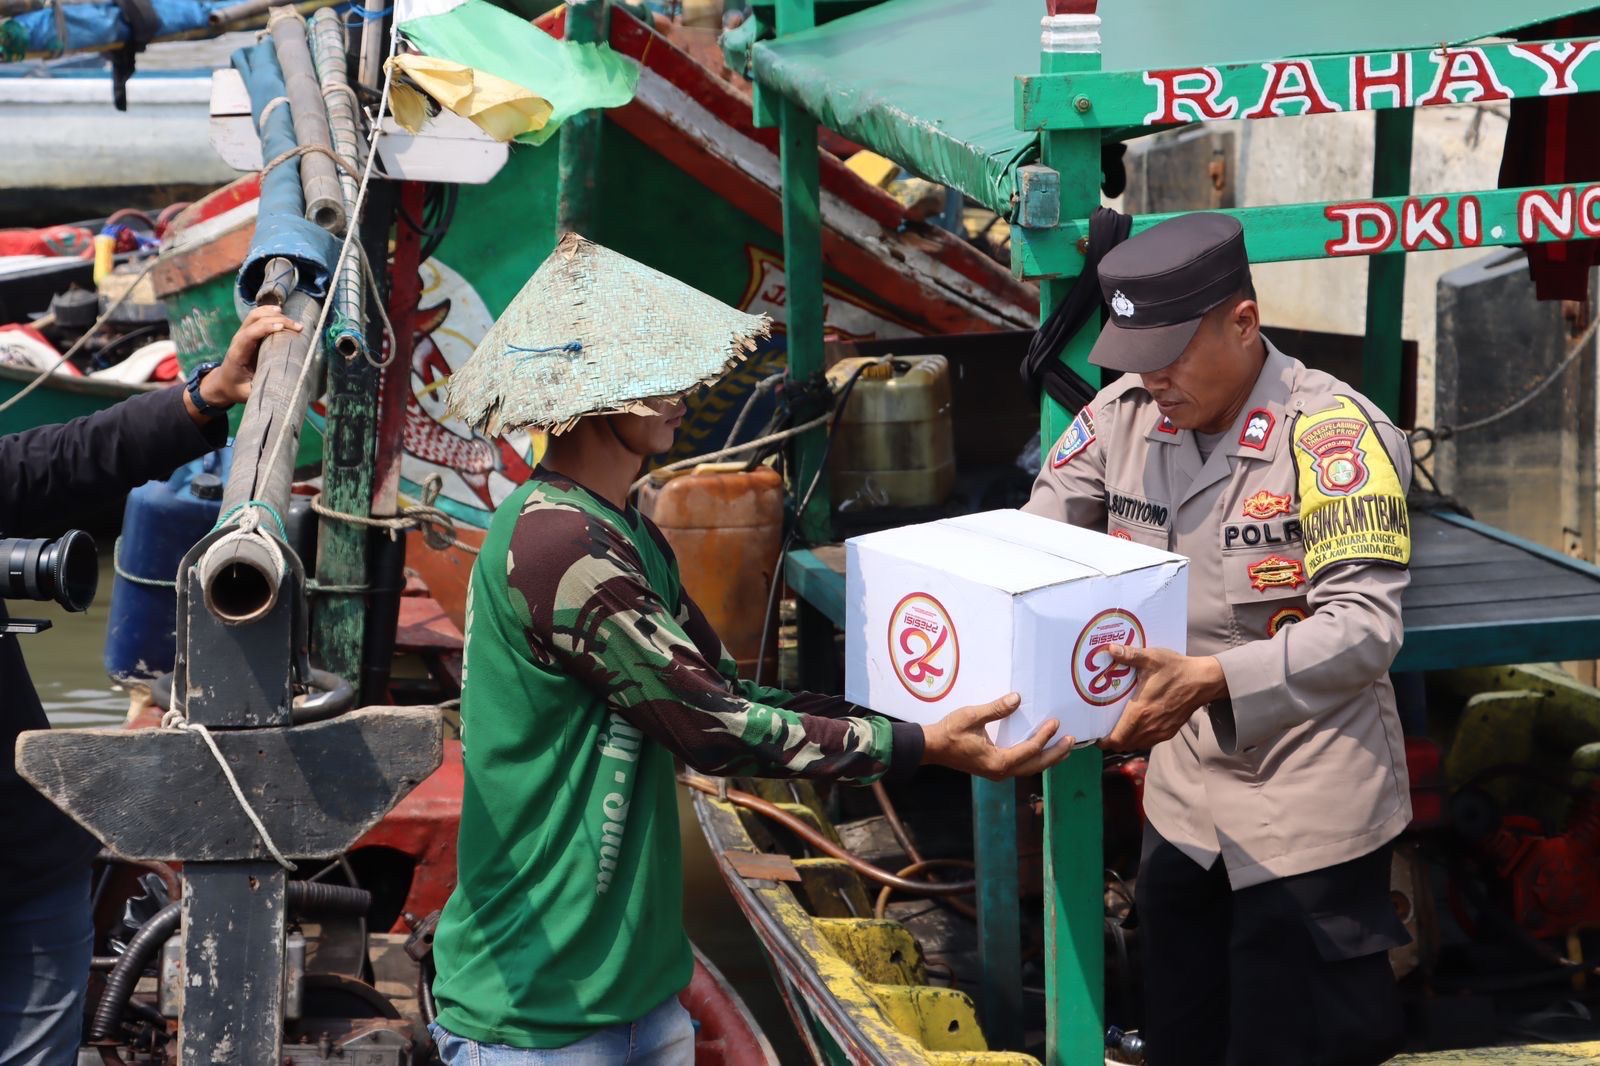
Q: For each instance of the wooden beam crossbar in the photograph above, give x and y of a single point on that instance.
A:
(1315, 85)
(1373, 226)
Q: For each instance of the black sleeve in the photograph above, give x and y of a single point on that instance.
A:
(54, 476)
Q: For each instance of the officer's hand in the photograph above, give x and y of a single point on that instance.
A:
(230, 383)
(960, 741)
(1171, 688)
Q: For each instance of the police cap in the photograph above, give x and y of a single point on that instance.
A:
(1159, 285)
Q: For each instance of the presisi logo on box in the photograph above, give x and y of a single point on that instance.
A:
(1100, 679)
(923, 647)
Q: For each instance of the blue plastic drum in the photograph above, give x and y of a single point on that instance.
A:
(163, 520)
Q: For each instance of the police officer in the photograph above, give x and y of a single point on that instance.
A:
(1277, 776)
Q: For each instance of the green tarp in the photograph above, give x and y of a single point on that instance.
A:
(931, 83)
(927, 83)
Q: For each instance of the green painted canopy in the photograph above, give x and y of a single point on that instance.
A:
(930, 83)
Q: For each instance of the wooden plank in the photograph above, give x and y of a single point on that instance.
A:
(233, 925)
(1570, 610)
(1355, 81)
(316, 787)
(1368, 226)
(1444, 646)
(448, 148)
(1386, 275)
(578, 162)
(1443, 575)
(339, 620)
(1495, 592)
(817, 583)
(762, 866)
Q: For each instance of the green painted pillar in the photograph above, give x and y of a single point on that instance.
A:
(994, 848)
(1073, 856)
(802, 267)
(578, 166)
(339, 618)
(1381, 364)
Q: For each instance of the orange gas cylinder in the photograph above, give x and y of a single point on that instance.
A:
(726, 527)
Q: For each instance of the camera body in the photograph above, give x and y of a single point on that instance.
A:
(65, 570)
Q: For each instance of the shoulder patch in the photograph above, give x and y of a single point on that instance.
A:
(1352, 506)
(1078, 436)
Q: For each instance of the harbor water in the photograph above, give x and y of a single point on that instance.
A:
(65, 664)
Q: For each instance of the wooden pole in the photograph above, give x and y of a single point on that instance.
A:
(405, 293)
(318, 173)
(578, 164)
(1381, 361)
(340, 617)
(328, 53)
(1073, 854)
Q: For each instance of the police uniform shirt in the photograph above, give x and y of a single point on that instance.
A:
(1298, 538)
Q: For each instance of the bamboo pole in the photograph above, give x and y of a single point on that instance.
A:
(305, 7)
(328, 46)
(318, 174)
(222, 16)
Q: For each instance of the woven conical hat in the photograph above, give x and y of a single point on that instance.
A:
(593, 332)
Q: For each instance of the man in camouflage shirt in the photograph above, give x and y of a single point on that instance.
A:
(587, 670)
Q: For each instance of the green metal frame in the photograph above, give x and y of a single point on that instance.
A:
(1076, 105)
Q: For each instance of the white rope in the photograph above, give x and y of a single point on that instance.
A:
(276, 101)
(175, 720)
(280, 443)
(711, 457)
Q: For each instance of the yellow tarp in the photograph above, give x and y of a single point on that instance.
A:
(502, 109)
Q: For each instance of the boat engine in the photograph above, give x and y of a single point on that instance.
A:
(1551, 884)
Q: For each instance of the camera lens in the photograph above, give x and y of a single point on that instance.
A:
(66, 570)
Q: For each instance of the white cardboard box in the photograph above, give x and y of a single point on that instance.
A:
(965, 610)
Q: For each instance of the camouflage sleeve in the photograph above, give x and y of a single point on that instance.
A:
(907, 735)
(592, 611)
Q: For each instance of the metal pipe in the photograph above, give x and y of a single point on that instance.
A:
(319, 176)
(328, 45)
(821, 843)
(222, 16)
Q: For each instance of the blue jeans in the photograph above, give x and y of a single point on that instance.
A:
(45, 944)
(664, 1037)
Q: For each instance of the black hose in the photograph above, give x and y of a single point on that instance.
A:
(425, 974)
(126, 973)
(311, 896)
(307, 896)
(332, 695)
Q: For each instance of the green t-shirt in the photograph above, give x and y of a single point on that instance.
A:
(586, 670)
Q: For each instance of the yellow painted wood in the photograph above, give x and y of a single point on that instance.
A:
(941, 1019)
(882, 951)
(1529, 1054)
